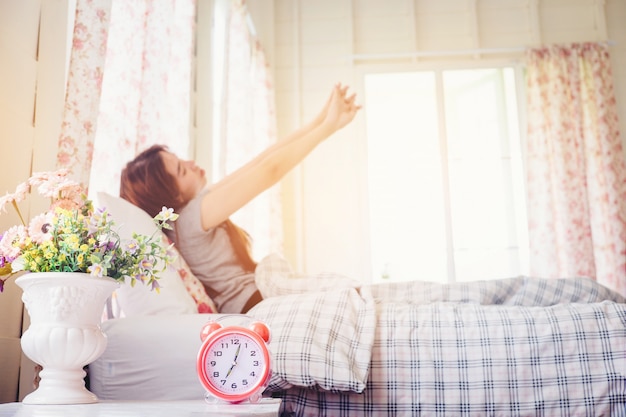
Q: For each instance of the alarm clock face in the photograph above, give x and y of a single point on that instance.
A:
(233, 363)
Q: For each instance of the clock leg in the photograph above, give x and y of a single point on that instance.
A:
(256, 397)
(210, 399)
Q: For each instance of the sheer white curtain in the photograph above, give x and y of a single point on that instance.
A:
(246, 122)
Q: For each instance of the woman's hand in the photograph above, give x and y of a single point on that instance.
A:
(340, 108)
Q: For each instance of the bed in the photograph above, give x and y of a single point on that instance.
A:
(521, 346)
(514, 347)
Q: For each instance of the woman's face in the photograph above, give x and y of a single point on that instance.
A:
(189, 177)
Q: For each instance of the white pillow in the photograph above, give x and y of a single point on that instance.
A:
(140, 299)
(150, 358)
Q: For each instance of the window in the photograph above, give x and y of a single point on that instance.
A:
(446, 190)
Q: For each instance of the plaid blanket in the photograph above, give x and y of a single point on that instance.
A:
(515, 347)
(522, 291)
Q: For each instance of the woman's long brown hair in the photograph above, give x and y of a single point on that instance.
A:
(146, 183)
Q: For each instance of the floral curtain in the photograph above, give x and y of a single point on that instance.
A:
(129, 86)
(248, 124)
(576, 167)
(84, 86)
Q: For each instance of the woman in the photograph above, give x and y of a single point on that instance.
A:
(216, 250)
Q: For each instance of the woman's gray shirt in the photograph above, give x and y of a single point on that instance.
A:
(211, 258)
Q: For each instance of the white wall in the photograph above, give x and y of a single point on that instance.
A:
(317, 43)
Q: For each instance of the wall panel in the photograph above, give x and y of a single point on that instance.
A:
(616, 30)
(325, 10)
(322, 31)
(33, 51)
(19, 35)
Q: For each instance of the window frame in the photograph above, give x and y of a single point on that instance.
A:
(362, 70)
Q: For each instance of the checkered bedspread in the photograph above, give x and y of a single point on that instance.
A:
(515, 347)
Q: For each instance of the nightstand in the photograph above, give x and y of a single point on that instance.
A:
(197, 408)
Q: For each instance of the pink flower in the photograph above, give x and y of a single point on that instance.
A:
(55, 184)
(4, 200)
(11, 242)
(39, 228)
(17, 196)
(39, 178)
(65, 204)
(21, 191)
(60, 188)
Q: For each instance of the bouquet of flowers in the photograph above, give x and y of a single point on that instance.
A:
(72, 236)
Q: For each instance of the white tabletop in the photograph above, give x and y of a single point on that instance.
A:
(200, 408)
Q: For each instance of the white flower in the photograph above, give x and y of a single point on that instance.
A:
(104, 239)
(96, 270)
(18, 264)
(167, 214)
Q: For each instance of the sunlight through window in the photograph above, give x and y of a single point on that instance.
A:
(445, 181)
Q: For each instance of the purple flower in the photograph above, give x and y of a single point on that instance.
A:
(132, 246)
(96, 221)
(146, 264)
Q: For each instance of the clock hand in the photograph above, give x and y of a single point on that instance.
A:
(234, 361)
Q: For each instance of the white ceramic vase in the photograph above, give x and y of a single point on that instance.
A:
(64, 336)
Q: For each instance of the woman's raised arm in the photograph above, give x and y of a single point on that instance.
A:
(240, 187)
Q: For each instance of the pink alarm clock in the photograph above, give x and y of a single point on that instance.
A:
(234, 361)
